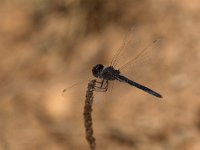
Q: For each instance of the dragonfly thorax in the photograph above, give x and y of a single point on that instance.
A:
(106, 73)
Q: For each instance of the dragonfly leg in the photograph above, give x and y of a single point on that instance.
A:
(101, 86)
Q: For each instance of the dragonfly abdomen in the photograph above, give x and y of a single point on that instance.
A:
(137, 85)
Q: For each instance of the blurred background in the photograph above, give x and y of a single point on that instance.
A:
(47, 46)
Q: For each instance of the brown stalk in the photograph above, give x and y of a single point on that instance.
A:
(88, 114)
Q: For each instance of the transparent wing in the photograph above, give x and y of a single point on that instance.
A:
(139, 53)
(75, 85)
(147, 53)
(130, 41)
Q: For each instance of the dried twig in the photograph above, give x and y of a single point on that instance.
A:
(88, 114)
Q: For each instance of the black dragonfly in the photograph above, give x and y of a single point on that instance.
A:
(112, 72)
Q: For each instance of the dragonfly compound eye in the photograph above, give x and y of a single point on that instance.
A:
(97, 69)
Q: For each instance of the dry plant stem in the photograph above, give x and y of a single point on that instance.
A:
(88, 114)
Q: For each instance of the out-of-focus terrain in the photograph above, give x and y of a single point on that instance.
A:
(45, 46)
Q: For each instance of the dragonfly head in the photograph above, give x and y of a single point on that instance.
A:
(96, 70)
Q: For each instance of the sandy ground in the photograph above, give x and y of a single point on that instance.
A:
(47, 46)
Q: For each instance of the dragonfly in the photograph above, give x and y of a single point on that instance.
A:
(110, 73)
